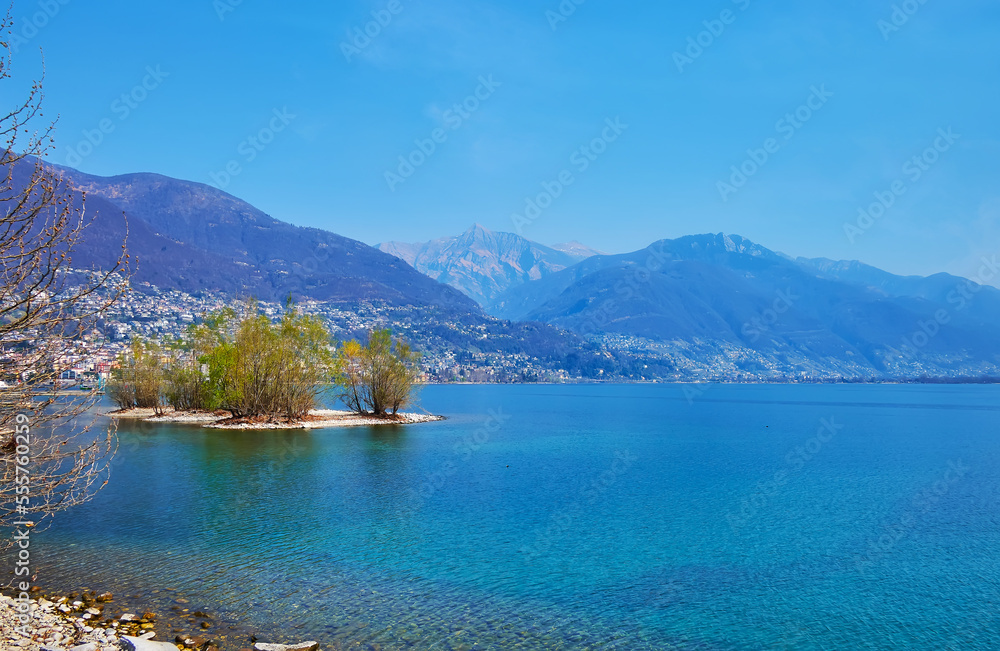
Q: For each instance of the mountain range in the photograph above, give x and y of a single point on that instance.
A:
(728, 289)
(193, 237)
(482, 264)
(712, 303)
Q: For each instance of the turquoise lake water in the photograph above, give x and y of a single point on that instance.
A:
(572, 517)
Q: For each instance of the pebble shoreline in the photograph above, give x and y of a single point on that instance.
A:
(78, 622)
(76, 625)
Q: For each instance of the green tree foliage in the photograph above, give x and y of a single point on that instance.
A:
(259, 368)
(187, 387)
(379, 377)
(238, 361)
(140, 380)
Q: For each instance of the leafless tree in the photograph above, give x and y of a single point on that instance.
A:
(47, 309)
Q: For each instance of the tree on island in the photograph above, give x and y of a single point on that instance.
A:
(377, 378)
(241, 362)
(46, 308)
(236, 360)
(139, 380)
(258, 368)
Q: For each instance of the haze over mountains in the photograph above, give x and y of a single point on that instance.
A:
(728, 290)
(703, 305)
(483, 264)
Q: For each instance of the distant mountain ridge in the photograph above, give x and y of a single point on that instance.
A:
(725, 288)
(712, 305)
(482, 263)
(193, 237)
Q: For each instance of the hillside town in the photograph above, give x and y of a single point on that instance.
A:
(453, 351)
(149, 313)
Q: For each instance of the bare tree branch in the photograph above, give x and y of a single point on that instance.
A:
(46, 309)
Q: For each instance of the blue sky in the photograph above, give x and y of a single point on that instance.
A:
(330, 120)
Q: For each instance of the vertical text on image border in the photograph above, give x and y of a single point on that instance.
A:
(22, 539)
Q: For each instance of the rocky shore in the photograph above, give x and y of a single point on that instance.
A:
(81, 624)
(316, 419)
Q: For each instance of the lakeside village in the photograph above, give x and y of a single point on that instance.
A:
(151, 313)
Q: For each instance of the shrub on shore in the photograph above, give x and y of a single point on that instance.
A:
(377, 377)
(238, 361)
(243, 363)
(138, 382)
(259, 368)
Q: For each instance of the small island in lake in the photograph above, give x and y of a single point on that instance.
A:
(243, 370)
(315, 419)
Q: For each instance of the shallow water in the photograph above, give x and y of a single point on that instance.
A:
(570, 517)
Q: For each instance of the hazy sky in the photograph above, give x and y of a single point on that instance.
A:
(645, 107)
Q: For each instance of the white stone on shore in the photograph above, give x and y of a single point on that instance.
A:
(303, 646)
(143, 643)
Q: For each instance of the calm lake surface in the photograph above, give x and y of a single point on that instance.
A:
(570, 517)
